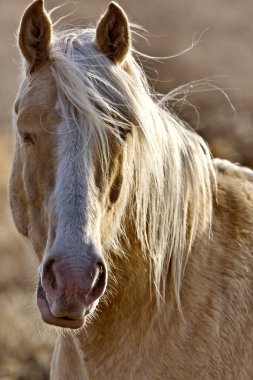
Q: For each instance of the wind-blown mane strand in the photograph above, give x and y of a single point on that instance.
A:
(170, 174)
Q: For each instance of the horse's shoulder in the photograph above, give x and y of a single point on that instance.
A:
(231, 170)
(234, 194)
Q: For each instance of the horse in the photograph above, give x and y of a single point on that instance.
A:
(144, 240)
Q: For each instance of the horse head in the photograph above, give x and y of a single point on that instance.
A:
(63, 189)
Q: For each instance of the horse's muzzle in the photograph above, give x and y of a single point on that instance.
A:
(70, 288)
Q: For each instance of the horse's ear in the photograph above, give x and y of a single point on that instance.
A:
(113, 33)
(35, 34)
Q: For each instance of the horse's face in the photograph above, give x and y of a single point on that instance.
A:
(58, 194)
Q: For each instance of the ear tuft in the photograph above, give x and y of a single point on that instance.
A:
(35, 34)
(113, 33)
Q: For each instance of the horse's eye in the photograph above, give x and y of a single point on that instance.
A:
(28, 138)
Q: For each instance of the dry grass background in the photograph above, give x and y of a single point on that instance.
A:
(225, 50)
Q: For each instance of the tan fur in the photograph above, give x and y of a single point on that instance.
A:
(135, 186)
(113, 34)
(213, 339)
(29, 192)
(35, 34)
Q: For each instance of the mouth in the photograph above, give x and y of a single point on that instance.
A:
(51, 319)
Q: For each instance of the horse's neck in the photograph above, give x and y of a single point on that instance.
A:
(129, 308)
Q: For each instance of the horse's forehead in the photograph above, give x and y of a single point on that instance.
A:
(38, 92)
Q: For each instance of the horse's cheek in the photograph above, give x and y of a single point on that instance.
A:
(17, 197)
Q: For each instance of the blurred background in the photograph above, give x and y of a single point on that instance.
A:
(223, 55)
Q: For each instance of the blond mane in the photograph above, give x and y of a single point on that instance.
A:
(169, 169)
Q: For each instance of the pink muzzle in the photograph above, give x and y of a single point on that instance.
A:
(70, 288)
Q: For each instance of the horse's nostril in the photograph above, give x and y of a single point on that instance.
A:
(48, 268)
(101, 267)
(54, 283)
(99, 286)
(48, 277)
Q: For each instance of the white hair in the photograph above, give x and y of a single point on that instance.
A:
(169, 168)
